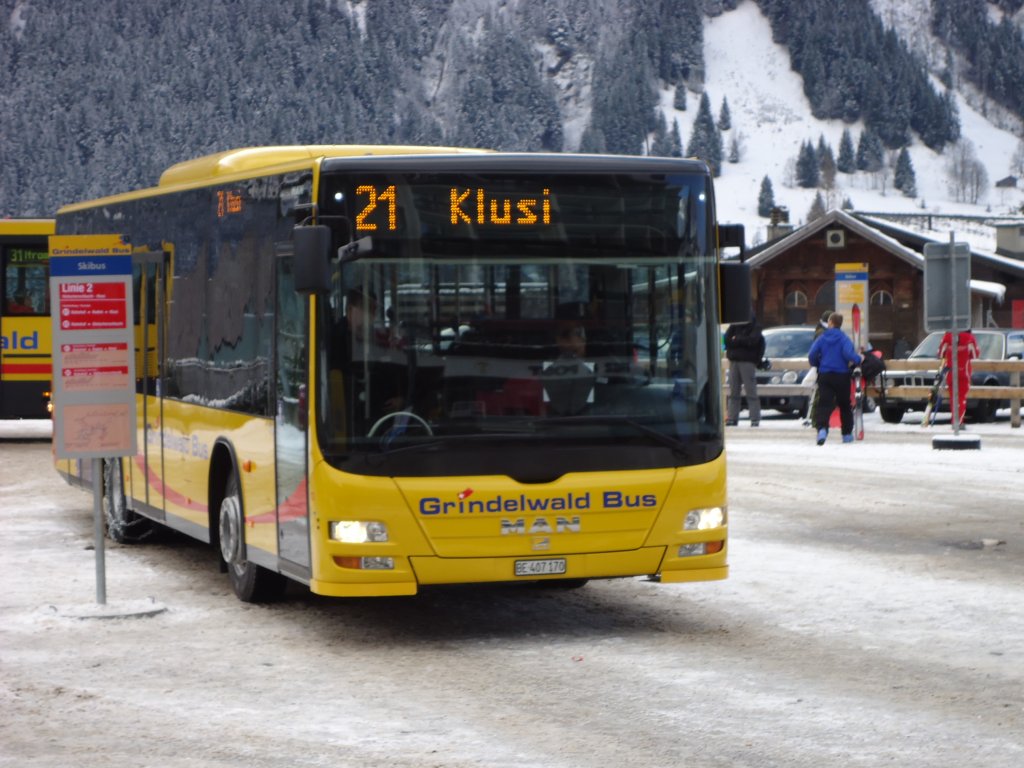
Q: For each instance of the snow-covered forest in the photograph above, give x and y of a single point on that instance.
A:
(101, 97)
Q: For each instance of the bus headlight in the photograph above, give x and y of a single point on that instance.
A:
(358, 531)
(703, 519)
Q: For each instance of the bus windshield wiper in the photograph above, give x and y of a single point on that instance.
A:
(659, 437)
(442, 441)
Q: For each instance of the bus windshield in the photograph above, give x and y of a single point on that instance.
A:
(505, 311)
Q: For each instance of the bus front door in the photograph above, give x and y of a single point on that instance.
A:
(150, 286)
(290, 366)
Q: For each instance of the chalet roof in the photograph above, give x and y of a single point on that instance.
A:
(904, 244)
(917, 241)
(830, 220)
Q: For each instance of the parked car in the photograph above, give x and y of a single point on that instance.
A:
(993, 344)
(785, 341)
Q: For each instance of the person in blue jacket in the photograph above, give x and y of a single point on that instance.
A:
(833, 354)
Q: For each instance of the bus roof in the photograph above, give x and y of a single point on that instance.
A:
(246, 162)
(17, 227)
(234, 164)
(249, 159)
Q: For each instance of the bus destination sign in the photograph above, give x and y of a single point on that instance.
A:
(379, 206)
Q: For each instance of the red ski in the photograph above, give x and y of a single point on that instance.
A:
(858, 380)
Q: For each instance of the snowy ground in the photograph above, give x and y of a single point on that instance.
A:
(874, 615)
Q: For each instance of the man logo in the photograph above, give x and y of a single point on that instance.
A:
(518, 527)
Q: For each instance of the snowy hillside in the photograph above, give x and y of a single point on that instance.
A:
(78, 122)
(773, 117)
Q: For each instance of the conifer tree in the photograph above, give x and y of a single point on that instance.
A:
(766, 198)
(817, 208)
(735, 148)
(823, 148)
(826, 163)
(847, 160)
(675, 141)
(624, 99)
(724, 118)
(1017, 161)
(807, 172)
(706, 141)
(679, 100)
(827, 166)
(870, 152)
(592, 141)
(904, 178)
(661, 145)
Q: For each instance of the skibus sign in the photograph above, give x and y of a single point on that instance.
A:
(93, 347)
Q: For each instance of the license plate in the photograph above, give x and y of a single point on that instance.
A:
(540, 567)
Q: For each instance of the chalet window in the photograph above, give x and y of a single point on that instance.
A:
(797, 299)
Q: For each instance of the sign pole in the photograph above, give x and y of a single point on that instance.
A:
(98, 533)
(954, 390)
(947, 307)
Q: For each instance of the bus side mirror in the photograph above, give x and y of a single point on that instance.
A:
(732, 236)
(737, 297)
(312, 258)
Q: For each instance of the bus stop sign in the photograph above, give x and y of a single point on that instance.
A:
(947, 277)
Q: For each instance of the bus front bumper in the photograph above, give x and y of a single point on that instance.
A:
(428, 570)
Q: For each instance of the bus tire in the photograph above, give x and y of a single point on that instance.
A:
(250, 582)
(123, 526)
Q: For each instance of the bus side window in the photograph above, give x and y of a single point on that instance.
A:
(19, 304)
(27, 286)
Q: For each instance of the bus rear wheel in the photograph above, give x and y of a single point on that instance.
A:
(250, 582)
(123, 526)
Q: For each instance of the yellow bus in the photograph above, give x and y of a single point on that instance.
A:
(375, 368)
(25, 352)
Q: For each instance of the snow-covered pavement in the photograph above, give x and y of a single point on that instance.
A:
(874, 615)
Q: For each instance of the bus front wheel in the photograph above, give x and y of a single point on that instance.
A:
(251, 583)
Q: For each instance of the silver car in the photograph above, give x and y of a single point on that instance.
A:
(785, 341)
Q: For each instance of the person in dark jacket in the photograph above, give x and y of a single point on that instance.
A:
(744, 347)
(833, 354)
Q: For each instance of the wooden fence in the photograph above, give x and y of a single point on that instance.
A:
(1014, 392)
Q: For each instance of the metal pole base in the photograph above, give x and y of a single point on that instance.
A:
(125, 609)
(959, 442)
